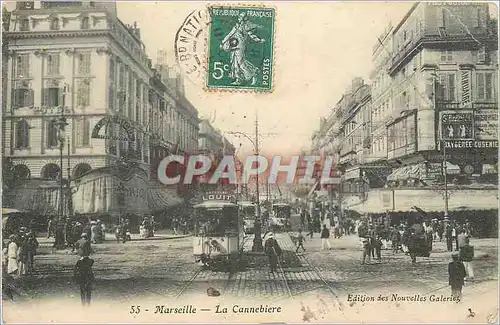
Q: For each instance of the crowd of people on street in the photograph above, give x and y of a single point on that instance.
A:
(19, 252)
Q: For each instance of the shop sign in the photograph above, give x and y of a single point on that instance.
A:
(486, 124)
(456, 125)
(470, 144)
(220, 196)
(111, 121)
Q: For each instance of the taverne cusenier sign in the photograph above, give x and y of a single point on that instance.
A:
(108, 121)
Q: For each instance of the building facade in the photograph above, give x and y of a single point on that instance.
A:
(431, 109)
(80, 60)
(444, 73)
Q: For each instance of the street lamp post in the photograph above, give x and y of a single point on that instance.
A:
(257, 242)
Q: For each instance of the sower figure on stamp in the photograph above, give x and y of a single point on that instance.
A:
(273, 251)
(84, 277)
(235, 42)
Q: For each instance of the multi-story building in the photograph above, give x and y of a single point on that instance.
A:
(433, 110)
(79, 59)
(444, 73)
(213, 143)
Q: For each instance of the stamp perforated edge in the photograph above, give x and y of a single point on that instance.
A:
(207, 52)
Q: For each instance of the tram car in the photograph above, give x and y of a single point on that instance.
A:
(219, 233)
(248, 211)
(281, 215)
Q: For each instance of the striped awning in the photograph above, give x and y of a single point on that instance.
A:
(380, 201)
(162, 198)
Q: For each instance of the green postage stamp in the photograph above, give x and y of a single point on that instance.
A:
(240, 48)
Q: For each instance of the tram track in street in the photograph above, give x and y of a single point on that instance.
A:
(313, 281)
(212, 277)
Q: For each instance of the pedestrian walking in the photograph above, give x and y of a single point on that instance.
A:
(377, 244)
(413, 246)
(462, 236)
(395, 240)
(449, 237)
(23, 254)
(300, 241)
(11, 253)
(82, 246)
(456, 276)
(466, 256)
(311, 230)
(302, 219)
(454, 236)
(49, 228)
(32, 248)
(273, 251)
(365, 242)
(325, 238)
(84, 277)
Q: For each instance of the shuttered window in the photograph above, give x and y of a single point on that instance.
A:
(484, 86)
(53, 64)
(84, 64)
(22, 96)
(446, 87)
(52, 132)
(22, 134)
(83, 93)
(82, 132)
(51, 97)
(22, 68)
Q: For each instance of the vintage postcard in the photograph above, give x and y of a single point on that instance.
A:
(249, 162)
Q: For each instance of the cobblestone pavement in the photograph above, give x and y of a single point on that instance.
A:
(158, 269)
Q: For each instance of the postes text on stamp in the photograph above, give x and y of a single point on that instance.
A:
(240, 48)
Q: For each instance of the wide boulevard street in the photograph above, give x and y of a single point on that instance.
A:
(161, 271)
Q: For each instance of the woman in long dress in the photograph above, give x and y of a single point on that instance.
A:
(12, 255)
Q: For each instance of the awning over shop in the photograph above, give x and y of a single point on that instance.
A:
(160, 198)
(380, 201)
(349, 201)
(34, 195)
(110, 192)
(417, 171)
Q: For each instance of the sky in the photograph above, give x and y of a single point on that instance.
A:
(319, 48)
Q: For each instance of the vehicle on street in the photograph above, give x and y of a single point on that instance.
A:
(218, 233)
(281, 214)
(248, 211)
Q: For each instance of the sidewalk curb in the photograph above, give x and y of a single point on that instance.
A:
(49, 245)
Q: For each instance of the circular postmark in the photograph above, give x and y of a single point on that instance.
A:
(190, 44)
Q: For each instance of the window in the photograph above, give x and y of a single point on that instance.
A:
(22, 134)
(84, 63)
(54, 24)
(53, 64)
(22, 66)
(85, 23)
(484, 86)
(446, 87)
(52, 138)
(446, 56)
(24, 25)
(83, 93)
(22, 95)
(51, 96)
(82, 132)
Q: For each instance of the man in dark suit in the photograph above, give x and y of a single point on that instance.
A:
(84, 277)
(456, 276)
